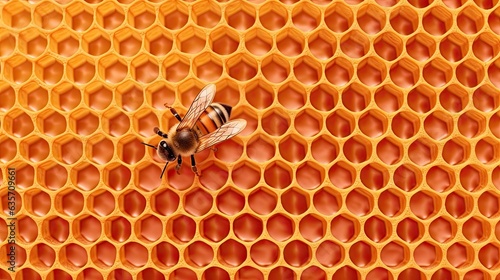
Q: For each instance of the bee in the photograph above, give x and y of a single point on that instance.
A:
(204, 125)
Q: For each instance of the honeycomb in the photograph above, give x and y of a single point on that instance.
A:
(371, 151)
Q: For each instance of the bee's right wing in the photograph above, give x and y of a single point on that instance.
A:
(200, 103)
(225, 132)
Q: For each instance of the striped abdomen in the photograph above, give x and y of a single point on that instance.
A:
(212, 118)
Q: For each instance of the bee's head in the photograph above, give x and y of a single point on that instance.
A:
(165, 152)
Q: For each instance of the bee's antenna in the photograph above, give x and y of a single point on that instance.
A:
(160, 133)
(163, 171)
(149, 145)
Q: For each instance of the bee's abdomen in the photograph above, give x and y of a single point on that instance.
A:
(212, 118)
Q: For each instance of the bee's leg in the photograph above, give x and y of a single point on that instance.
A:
(173, 111)
(179, 164)
(193, 166)
(159, 132)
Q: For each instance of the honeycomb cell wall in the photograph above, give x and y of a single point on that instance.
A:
(371, 150)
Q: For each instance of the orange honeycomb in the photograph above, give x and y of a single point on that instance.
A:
(372, 147)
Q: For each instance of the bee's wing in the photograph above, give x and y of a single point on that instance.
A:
(225, 132)
(200, 103)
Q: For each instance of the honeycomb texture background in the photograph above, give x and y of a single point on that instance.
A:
(371, 152)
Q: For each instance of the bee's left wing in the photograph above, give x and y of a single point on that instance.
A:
(225, 132)
(200, 103)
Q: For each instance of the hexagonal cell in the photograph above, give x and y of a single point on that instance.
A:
(132, 203)
(460, 255)
(357, 149)
(440, 178)
(404, 73)
(488, 255)
(407, 177)
(257, 41)
(377, 229)
(423, 151)
(247, 227)
(240, 15)
(324, 149)
(442, 229)
(96, 42)
(404, 20)
(356, 97)
(345, 228)
(292, 95)
(264, 253)
(389, 150)
(103, 254)
(49, 70)
(438, 73)
(87, 229)
(473, 177)
(388, 46)
(191, 40)
(280, 227)
(421, 47)
(150, 273)
(476, 274)
(246, 175)
(57, 230)
(157, 42)
(339, 17)
(83, 122)
(141, 15)
(470, 73)
(355, 44)
(129, 96)
(422, 99)
(224, 40)
(308, 123)
(290, 42)
(371, 19)
(199, 254)
(410, 230)
(476, 230)
(388, 98)
(307, 70)
(85, 176)
(34, 149)
(485, 47)
(69, 202)
(453, 4)
(312, 227)
(359, 202)
(73, 256)
(207, 67)
(79, 16)
(17, 69)
(127, 42)
(373, 123)
(329, 253)
(41, 257)
(115, 123)
(262, 201)
(64, 42)
(405, 125)
(297, 253)
(470, 20)
(371, 71)
(18, 123)
(427, 255)
(275, 68)
(165, 255)
(322, 44)
(454, 99)
(306, 17)
(206, 14)
(249, 273)
(37, 202)
(165, 202)
(309, 175)
(214, 228)
(112, 69)
(327, 201)
(437, 21)
(185, 228)
(109, 15)
(67, 149)
(118, 229)
(66, 97)
(342, 175)
(28, 229)
(99, 149)
(454, 47)
(97, 95)
(276, 122)
(176, 68)
(339, 71)
(230, 201)
(438, 125)
(260, 148)
(173, 15)
(374, 176)
(242, 67)
(7, 94)
(231, 253)
(273, 16)
(487, 150)
(119, 272)
(219, 179)
(47, 15)
(7, 43)
(183, 273)
(32, 42)
(295, 201)
(134, 255)
(16, 15)
(395, 254)
(456, 151)
(198, 202)
(459, 204)
(278, 175)
(362, 254)
(33, 97)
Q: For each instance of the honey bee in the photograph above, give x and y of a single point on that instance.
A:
(204, 125)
